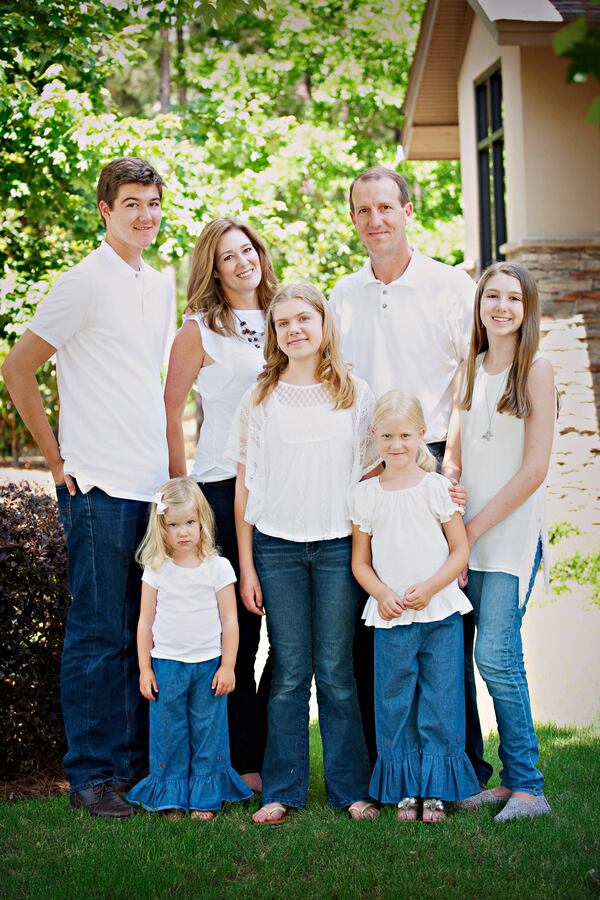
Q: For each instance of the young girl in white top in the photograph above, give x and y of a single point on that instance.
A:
(409, 545)
(219, 348)
(500, 440)
(301, 439)
(187, 641)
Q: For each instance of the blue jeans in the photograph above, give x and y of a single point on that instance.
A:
(189, 744)
(311, 601)
(499, 658)
(420, 713)
(106, 717)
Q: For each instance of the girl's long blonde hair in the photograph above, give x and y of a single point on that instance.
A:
(205, 293)
(405, 406)
(515, 400)
(331, 370)
(154, 548)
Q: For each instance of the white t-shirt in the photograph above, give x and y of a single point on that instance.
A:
(410, 334)
(487, 466)
(109, 326)
(221, 384)
(301, 457)
(408, 544)
(187, 626)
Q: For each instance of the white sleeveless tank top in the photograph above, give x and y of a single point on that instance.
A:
(221, 385)
(492, 445)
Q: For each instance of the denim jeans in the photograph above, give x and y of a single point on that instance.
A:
(474, 737)
(247, 705)
(499, 658)
(106, 717)
(420, 713)
(189, 743)
(311, 601)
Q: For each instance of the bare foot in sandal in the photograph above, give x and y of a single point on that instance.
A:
(270, 814)
(407, 810)
(433, 810)
(362, 809)
(202, 815)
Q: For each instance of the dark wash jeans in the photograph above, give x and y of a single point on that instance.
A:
(311, 600)
(105, 716)
(247, 705)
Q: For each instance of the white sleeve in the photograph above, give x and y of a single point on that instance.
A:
(64, 311)
(223, 573)
(150, 577)
(361, 508)
(368, 458)
(461, 320)
(441, 505)
(334, 299)
(237, 442)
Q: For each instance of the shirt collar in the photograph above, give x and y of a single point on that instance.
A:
(119, 266)
(409, 278)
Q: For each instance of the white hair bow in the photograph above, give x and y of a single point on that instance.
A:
(160, 506)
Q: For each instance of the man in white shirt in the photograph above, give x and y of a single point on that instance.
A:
(405, 322)
(106, 319)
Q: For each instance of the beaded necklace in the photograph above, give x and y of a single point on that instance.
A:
(256, 338)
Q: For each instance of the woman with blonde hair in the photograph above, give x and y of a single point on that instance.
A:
(220, 348)
(301, 439)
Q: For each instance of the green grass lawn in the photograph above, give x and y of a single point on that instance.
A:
(50, 851)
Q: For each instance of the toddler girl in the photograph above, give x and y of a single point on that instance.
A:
(500, 439)
(409, 545)
(187, 642)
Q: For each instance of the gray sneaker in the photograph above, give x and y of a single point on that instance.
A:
(517, 808)
(483, 798)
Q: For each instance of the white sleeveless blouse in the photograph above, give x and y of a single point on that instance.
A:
(487, 466)
(221, 386)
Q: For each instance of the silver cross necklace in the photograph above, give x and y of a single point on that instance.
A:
(489, 434)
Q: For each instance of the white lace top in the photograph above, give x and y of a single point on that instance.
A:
(408, 544)
(301, 457)
(487, 466)
(221, 385)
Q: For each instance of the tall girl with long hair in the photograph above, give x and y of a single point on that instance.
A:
(220, 348)
(499, 445)
(301, 439)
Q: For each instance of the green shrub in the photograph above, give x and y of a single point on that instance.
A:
(34, 603)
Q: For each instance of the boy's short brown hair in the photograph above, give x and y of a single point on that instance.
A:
(126, 170)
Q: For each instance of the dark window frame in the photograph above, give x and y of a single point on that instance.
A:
(491, 181)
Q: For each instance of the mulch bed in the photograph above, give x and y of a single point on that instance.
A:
(36, 785)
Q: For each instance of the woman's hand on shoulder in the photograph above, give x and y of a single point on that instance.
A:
(458, 493)
(250, 591)
(390, 606)
(224, 681)
(417, 596)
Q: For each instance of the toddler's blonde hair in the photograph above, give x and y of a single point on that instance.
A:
(405, 406)
(154, 548)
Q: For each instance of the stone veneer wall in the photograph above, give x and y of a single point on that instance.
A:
(567, 273)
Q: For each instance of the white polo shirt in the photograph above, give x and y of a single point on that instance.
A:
(109, 326)
(410, 334)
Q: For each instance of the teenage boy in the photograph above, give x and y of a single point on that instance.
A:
(405, 322)
(106, 319)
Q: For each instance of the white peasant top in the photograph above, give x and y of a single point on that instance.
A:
(408, 544)
(187, 625)
(487, 466)
(301, 457)
(221, 384)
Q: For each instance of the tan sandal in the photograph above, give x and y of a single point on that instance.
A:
(436, 811)
(407, 810)
(362, 809)
(270, 819)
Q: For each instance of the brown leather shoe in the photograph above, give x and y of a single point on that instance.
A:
(121, 787)
(101, 800)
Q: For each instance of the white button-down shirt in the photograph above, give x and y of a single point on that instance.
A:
(109, 326)
(410, 334)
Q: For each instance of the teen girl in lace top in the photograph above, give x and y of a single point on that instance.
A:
(301, 439)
